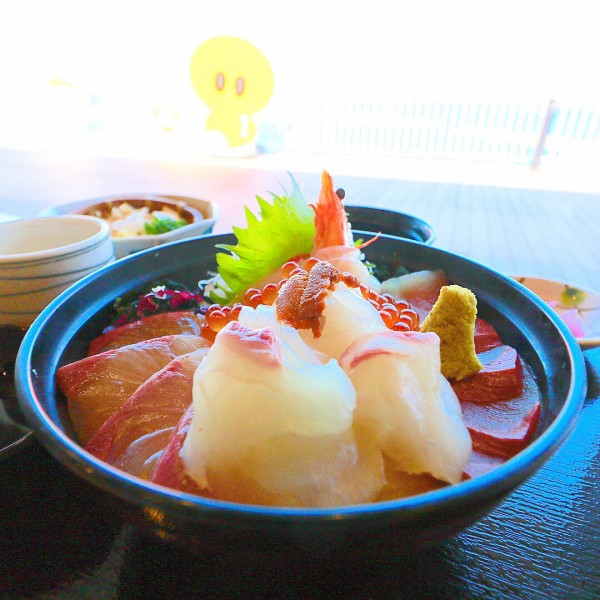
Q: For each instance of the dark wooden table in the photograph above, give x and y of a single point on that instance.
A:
(61, 538)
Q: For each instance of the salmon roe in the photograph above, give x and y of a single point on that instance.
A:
(397, 315)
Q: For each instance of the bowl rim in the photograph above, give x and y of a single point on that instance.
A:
(63, 251)
(75, 206)
(428, 229)
(143, 493)
(190, 214)
(208, 220)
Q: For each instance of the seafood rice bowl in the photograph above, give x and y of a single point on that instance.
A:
(290, 387)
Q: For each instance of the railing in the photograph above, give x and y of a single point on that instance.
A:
(574, 136)
(531, 133)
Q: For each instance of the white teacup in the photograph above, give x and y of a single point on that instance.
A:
(41, 257)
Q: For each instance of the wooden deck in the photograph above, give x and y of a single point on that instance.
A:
(518, 231)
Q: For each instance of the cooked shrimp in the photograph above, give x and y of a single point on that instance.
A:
(333, 236)
(331, 222)
(332, 241)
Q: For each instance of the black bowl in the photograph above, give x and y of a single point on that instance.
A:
(390, 222)
(62, 332)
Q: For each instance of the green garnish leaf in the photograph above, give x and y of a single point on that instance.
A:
(284, 230)
(162, 224)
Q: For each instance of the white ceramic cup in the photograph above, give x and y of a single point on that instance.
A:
(41, 257)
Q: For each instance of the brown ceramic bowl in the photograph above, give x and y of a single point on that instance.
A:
(200, 216)
(103, 209)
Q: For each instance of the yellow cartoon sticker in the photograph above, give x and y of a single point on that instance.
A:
(235, 81)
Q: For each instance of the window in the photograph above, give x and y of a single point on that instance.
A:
(505, 81)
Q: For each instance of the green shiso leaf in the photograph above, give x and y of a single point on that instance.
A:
(284, 229)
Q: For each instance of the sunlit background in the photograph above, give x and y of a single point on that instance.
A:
(495, 83)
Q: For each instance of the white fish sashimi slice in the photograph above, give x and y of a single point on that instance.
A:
(301, 397)
(348, 317)
(270, 429)
(295, 470)
(348, 259)
(294, 347)
(406, 404)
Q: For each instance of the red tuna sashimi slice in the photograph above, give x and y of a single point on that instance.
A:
(500, 379)
(98, 385)
(504, 428)
(171, 323)
(420, 289)
(170, 470)
(143, 425)
(486, 337)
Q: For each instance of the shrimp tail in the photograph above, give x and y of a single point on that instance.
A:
(331, 222)
(369, 242)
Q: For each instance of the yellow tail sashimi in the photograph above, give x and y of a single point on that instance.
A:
(96, 386)
(141, 428)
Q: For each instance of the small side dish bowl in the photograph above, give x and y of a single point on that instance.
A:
(390, 222)
(41, 257)
(197, 216)
(63, 331)
(577, 306)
